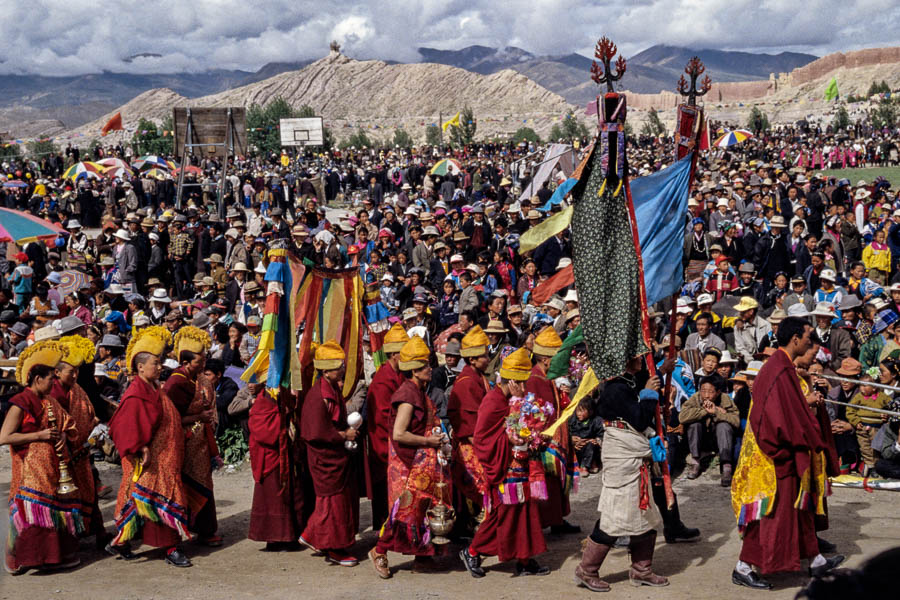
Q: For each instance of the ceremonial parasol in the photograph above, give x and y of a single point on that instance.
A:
(445, 166)
(71, 281)
(15, 183)
(19, 227)
(730, 138)
(84, 169)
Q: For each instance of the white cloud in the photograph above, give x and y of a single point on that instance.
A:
(69, 37)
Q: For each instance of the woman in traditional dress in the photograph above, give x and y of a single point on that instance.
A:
(43, 524)
(416, 463)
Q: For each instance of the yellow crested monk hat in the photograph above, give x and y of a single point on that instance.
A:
(193, 339)
(414, 355)
(474, 343)
(516, 366)
(329, 356)
(395, 339)
(76, 350)
(152, 339)
(47, 352)
(547, 342)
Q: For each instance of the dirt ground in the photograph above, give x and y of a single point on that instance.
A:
(862, 524)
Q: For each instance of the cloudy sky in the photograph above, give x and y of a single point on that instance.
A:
(68, 37)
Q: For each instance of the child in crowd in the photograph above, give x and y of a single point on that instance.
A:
(865, 422)
(587, 435)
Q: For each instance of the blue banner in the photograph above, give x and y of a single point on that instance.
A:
(660, 205)
(559, 193)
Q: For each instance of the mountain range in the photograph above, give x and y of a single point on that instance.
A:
(76, 100)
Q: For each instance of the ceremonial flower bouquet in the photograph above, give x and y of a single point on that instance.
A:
(527, 418)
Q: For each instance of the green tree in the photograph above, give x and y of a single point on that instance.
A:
(568, 130)
(262, 124)
(39, 148)
(402, 139)
(359, 139)
(653, 126)
(9, 150)
(885, 114)
(149, 139)
(464, 133)
(526, 134)
(758, 121)
(433, 135)
(841, 119)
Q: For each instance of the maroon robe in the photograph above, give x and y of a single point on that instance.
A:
(378, 425)
(786, 431)
(335, 519)
(556, 506)
(134, 425)
(462, 412)
(510, 531)
(277, 509)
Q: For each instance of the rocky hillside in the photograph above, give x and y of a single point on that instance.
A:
(377, 95)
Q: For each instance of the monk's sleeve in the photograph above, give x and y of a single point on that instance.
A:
(265, 422)
(770, 422)
(133, 424)
(316, 426)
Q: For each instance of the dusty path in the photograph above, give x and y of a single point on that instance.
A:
(862, 525)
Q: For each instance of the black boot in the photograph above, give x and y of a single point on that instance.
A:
(673, 529)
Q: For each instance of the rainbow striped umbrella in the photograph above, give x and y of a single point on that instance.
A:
(84, 169)
(26, 228)
(730, 138)
(445, 166)
(150, 161)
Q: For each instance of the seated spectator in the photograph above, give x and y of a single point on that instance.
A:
(889, 464)
(704, 338)
(710, 419)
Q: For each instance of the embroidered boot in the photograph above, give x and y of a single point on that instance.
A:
(587, 572)
(641, 549)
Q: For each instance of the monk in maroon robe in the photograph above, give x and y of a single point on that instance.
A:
(462, 411)
(554, 510)
(277, 511)
(787, 432)
(509, 531)
(334, 522)
(378, 407)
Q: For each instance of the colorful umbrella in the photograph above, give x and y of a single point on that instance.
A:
(84, 169)
(71, 281)
(150, 161)
(173, 165)
(445, 166)
(730, 138)
(157, 173)
(15, 183)
(120, 172)
(114, 163)
(190, 169)
(19, 227)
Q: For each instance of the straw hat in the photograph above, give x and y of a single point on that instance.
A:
(414, 354)
(474, 343)
(547, 342)
(329, 356)
(395, 339)
(516, 366)
(746, 303)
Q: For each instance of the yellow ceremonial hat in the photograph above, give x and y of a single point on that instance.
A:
(152, 340)
(47, 352)
(193, 339)
(474, 343)
(329, 356)
(547, 342)
(395, 339)
(516, 366)
(77, 350)
(414, 354)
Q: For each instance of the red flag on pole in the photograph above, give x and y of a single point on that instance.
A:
(114, 124)
(704, 136)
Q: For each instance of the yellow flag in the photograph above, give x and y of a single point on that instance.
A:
(542, 232)
(588, 384)
(454, 121)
